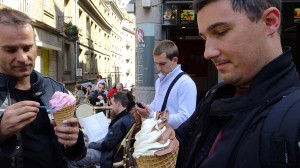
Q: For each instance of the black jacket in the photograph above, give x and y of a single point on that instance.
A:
(239, 118)
(117, 130)
(36, 145)
(93, 97)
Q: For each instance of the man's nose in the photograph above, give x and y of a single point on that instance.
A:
(211, 49)
(22, 56)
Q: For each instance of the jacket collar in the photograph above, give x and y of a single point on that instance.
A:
(271, 82)
(118, 117)
(35, 80)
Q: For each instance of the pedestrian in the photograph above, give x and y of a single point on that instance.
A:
(79, 94)
(104, 150)
(181, 101)
(27, 138)
(242, 39)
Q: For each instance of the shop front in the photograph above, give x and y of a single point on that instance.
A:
(179, 23)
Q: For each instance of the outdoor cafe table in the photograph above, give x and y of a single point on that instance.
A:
(104, 108)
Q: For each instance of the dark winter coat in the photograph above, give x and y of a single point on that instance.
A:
(37, 144)
(117, 130)
(239, 118)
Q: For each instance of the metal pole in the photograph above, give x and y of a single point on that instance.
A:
(76, 58)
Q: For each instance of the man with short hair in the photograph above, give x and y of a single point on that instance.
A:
(98, 95)
(103, 151)
(181, 102)
(131, 108)
(27, 138)
(242, 39)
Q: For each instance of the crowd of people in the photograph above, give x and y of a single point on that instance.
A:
(238, 123)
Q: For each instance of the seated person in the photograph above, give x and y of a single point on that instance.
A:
(98, 95)
(111, 92)
(88, 91)
(131, 108)
(103, 151)
(79, 94)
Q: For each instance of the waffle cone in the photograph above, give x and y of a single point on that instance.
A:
(165, 161)
(64, 113)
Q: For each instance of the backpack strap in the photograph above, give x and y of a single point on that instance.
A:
(163, 107)
(279, 141)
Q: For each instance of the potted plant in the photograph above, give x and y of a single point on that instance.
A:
(70, 29)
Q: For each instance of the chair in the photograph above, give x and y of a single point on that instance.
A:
(126, 145)
(84, 110)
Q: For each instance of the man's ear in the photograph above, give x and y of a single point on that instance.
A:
(272, 19)
(175, 59)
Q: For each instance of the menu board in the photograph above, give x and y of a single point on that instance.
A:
(187, 15)
(170, 14)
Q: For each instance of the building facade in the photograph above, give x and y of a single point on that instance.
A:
(96, 48)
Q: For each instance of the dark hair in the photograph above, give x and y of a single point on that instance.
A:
(14, 17)
(78, 87)
(101, 84)
(168, 47)
(122, 98)
(99, 77)
(252, 8)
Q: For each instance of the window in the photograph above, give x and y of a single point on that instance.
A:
(67, 57)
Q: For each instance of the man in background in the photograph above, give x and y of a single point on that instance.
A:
(98, 95)
(182, 99)
(131, 108)
(103, 151)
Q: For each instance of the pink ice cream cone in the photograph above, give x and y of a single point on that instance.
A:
(64, 104)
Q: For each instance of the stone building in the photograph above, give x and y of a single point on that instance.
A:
(97, 48)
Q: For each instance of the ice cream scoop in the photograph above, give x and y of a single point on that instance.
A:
(64, 104)
(60, 100)
(156, 138)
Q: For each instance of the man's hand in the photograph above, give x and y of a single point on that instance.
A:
(143, 112)
(100, 97)
(16, 117)
(68, 133)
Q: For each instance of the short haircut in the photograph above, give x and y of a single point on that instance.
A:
(99, 77)
(78, 87)
(168, 47)
(252, 8)
(122, 98)
(101, 84)
(14, 17)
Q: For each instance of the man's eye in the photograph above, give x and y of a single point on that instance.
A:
(222, 33)
(27, 48)
(11, 50)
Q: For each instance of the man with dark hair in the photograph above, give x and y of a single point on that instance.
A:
(98, 95)
(228, 128)
(131, 108)
(27, 138)
(181, 102)
(103, 151)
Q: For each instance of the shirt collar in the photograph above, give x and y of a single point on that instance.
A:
(162, 77)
